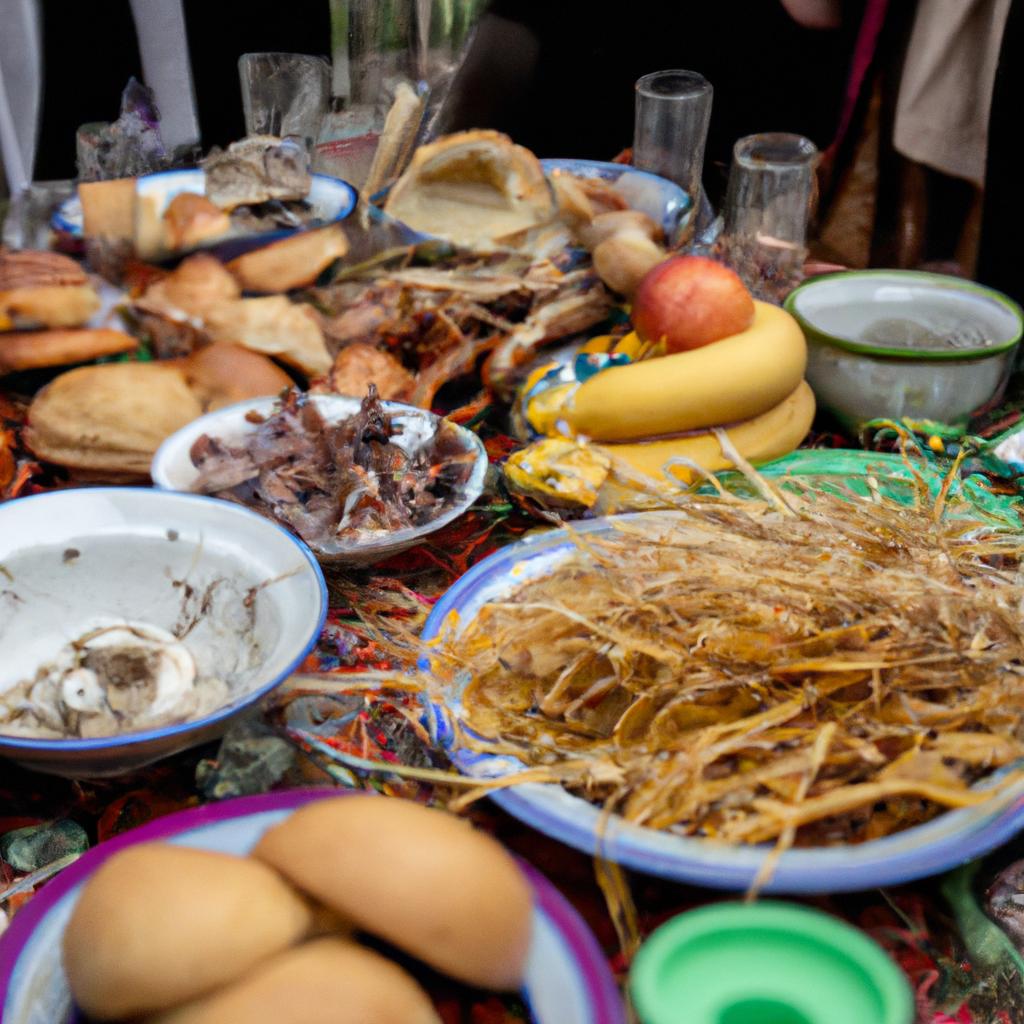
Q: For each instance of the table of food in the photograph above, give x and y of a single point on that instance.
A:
(497, 589)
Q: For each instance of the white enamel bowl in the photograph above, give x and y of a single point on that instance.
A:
(245, 597)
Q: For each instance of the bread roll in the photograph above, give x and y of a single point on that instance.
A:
(293, 262)
(158, 925)
(454, 897)
(222, 374)
(110, 418)
(329, 981)
(275, 326)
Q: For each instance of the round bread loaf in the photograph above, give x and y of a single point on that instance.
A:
(328, 981)
(158, 925)
(454, 897)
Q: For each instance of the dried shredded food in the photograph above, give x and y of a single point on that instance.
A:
(812, 668)
(333, 482)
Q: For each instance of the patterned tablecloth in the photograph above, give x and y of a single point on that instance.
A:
(956, 959)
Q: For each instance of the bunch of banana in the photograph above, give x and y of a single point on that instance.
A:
(660, 410)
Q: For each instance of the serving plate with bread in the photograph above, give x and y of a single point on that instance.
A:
(309, 905)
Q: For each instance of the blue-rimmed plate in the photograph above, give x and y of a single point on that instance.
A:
(567, 978)
(662, 200)
(246, 597)
(945, 842)
(330, 198)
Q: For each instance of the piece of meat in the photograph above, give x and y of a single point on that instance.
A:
(220, 467)
(359, 365)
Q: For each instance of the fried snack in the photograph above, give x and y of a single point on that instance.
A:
(328, 981)
(192, 219)
(293, 262)
(221, 374)
(43, 289)
(32, 350)
(473, 188)
(197, 285)
(456, 899)
(158, 925)
(110, 418)
(108, 208)
(275, 326)
(359, 365)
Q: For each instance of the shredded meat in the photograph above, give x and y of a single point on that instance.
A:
(331, 482)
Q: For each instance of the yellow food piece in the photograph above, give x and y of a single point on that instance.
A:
(559, 471)
(727, 381)
(546, 408)
(769, 436)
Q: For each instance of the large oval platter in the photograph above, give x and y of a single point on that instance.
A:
(943, 843)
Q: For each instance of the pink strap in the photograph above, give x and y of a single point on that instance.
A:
(863, 55)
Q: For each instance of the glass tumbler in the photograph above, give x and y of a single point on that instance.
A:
(768, 205)
(284, 94)
(673, 110)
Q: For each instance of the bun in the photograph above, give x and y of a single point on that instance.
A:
(222, 374)
(329, 981)
(455, 897)
(43, 289)
(159, 924)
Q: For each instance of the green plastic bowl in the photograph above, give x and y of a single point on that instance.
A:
(766, 963)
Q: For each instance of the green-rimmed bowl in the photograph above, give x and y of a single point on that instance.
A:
(863, 362)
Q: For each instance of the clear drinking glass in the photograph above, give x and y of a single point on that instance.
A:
(768, 205)
(284, 94)
(673, 110)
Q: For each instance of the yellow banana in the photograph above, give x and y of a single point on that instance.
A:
(772, 434)
(730, 380)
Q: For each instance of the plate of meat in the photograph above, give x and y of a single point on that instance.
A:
(357, 479)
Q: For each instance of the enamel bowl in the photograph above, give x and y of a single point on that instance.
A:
(862, 362)
(331, 199)
(567, 979)
(245, 597)
(172, 467)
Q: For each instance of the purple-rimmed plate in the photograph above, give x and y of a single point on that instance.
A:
(949, 840)
(567, 978)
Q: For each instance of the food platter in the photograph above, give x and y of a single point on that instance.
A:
(567, 980)
(949, 840)
(331, 200)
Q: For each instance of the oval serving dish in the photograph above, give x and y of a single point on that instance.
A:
(945, 842)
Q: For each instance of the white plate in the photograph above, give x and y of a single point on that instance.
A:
(947, 841)
(567, 978)
(172, 467)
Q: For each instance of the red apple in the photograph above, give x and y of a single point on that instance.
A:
(689, 301)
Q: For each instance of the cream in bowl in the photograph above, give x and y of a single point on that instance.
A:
(896, 343)
(135, 623)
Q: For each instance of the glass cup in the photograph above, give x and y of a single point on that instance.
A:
(284, 94)
(768, 204)
(673, 110)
